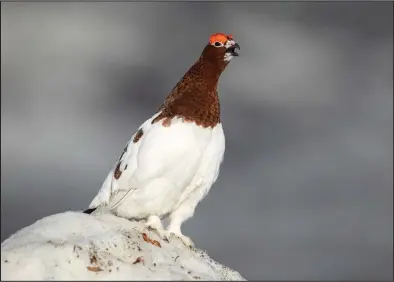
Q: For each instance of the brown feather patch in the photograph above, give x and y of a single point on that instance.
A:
(166, 122)
(117, 172)
(138, 135)
(195, 97)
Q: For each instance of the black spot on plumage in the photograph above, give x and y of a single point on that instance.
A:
(89, 211)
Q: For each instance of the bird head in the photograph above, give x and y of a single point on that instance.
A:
(221, 47)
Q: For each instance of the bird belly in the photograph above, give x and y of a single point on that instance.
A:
(159, 195)
(208, 169)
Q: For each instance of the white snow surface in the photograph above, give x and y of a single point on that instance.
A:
(77, 246)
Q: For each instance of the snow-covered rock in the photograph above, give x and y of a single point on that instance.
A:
(77, 246)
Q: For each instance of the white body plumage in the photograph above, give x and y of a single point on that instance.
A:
(167, 172)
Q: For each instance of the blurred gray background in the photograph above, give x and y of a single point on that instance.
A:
(306, 187)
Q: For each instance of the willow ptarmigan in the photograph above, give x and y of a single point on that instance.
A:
(171, 162)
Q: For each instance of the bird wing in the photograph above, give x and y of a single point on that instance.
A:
(117, 179)
(162, 150)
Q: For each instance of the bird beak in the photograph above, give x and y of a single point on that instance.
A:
(232, 49)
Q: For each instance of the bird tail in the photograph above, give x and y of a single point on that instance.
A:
(117, 199)
(89, 211)
(97, 210)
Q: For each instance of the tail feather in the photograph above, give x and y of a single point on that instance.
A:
(89, 211)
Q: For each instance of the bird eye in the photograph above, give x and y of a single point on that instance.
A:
(218, 44)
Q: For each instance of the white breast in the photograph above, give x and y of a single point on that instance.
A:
(208, 170)
(170, 163)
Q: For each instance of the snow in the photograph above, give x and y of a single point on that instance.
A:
(77, 246)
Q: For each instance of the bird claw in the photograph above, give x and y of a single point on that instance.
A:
(155, 226)
(159, 231)
(185, 239)
(163, 234)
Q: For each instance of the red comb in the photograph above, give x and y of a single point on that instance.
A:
(220, 37)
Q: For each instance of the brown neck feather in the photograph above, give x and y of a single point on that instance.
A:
(195, 97)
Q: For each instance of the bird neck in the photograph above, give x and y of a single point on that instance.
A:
(195, 97)
(208, 70)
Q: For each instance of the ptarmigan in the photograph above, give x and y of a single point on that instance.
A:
(171, 162)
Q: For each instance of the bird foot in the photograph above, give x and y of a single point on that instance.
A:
(154, 224)
(185, 239)
(160, 232)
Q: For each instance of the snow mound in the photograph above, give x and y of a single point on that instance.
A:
(77, 246)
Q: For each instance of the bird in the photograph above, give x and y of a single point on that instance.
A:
(171, 162)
